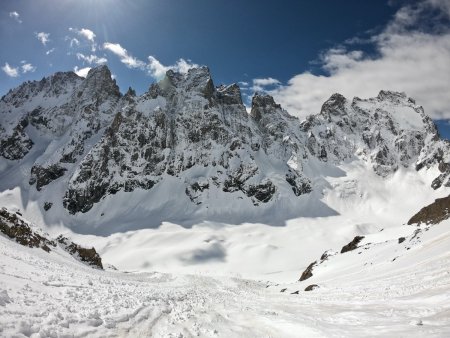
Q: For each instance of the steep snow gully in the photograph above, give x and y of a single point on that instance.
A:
(206, 216)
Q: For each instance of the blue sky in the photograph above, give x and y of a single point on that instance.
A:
(299, 51)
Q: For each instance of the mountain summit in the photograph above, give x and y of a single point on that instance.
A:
(187, 149)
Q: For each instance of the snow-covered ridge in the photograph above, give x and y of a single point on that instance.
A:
(388, 252)
(14, 227)
(186, 148)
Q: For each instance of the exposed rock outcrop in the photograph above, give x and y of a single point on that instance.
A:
(352, 245)
(16, 228)
(311, 287)
(89, 256)
(308, 272)
(13, 226)
(434, 213)
(186, 130)
(44, 175)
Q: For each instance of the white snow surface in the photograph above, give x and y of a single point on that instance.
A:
(53, 295)
(223, 280)
(216, 268)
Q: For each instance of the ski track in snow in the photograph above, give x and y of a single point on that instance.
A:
(50, 295)
(190, 255)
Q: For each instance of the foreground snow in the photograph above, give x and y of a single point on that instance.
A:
(223, 280)
(53, 295)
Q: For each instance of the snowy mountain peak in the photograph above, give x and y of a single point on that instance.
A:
(263, 104)
(195, 80)
(392, 96)
(335, 105)
(50, 86)
(230, 94)
(88, 149)
(99, 81)
(101, 70)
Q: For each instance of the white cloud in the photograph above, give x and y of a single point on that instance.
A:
(261, 84)
(408, 60)
(74, 42)
(125, 57)
(27, 67)
(442, 5)
(43, 37)
(266, 82)
(91, 59)
(50, 51)
(182, 65)
(157, 70)
(10, 71)
(86, 34)
(154, 67)
(14, 15)
(83, 72)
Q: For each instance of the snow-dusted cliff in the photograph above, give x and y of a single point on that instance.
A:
(187, 149)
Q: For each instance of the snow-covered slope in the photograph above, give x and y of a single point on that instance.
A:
(381, 289)
(14, 227)
(186, 151)
(189, 193)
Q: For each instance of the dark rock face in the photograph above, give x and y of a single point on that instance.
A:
(262, 192)
(401, 240)
(444, 178)
(229, 94)
(395, 97)
(308, 272)
(335, 105)
(311, 287)
(352, 245)
(44, 175)
(186, 128)
(434, 213)
(262, 105)
(47, 206)
(18, 144)
(300, 185)
(326, 255)
(18, 230)
(140, 146)
(89, 256)
(194, 191)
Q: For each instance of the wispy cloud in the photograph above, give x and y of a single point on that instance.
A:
(157, 70)
(43, 37)
(50, 51)
(10, 71)
(81, 71)
(264, 84)
(74, 42)
(14, 15)
(91, 59)
(126, 58)
(408, 59)
(27, 67)
(86, 34)
(154, 67)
